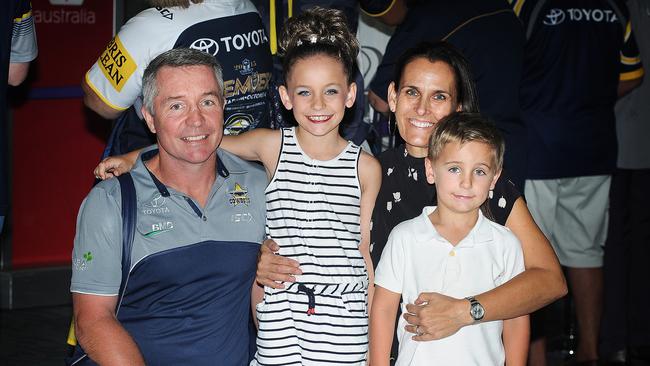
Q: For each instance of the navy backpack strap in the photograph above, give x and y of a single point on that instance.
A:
(129, 215)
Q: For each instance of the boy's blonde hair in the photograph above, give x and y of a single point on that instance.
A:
(466, 127)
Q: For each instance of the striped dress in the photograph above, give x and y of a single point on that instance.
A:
(313, 213)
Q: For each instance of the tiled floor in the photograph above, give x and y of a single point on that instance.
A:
(36, 337)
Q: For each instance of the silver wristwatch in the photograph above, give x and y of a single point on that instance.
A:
(476, 310)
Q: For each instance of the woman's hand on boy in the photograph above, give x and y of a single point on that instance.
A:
(436, 316)
(272, 269)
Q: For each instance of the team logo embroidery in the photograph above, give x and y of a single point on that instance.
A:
(239, 196)
(81, 264)
(157, 206)
(238, 123)
(159, 228)
(246, 67)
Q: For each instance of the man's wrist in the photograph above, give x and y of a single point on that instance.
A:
(462, 313)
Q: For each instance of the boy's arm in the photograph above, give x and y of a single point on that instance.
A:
(370, 179)
(382, 325)
(516, 337)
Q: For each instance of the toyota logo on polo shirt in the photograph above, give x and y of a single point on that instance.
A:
(207, 45)
(554, 17)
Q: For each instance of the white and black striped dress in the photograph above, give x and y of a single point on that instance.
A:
(313, 213)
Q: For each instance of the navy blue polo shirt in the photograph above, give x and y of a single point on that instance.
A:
(187, 299)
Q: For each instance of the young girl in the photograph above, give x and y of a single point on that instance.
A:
(319, 202)
(454, 250)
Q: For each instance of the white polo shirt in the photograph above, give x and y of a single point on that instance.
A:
(417, 259)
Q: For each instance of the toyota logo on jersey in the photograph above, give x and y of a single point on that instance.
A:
(554, 17)
(206, 45)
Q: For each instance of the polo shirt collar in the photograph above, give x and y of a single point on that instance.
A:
(481, 233)
(162, 189)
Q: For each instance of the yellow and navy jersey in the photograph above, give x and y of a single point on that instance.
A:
(230, 30)
(23, 35)
(17, 44)
(576, 53)
(535, 13)
(275, 12)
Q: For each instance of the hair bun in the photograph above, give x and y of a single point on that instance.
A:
(319, 25)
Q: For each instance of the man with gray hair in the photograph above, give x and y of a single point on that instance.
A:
(200, 221)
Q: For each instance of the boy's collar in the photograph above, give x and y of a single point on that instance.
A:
(481, 232)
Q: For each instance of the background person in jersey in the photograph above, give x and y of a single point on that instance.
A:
(431, 81)
(17, 50)
(230, 30)
(200, 222)
(490, 36)
(627, 251)
(275, 13)
(579, 57)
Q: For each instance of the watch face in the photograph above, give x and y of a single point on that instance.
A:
(477, 311)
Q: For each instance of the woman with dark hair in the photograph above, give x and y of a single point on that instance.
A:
(431, 81)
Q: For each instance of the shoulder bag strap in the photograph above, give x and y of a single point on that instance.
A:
(129, 216)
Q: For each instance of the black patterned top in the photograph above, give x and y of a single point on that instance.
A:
(404, 192)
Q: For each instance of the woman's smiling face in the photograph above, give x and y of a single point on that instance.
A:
(426, 94)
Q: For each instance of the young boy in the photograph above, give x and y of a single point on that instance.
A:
(452, 249)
